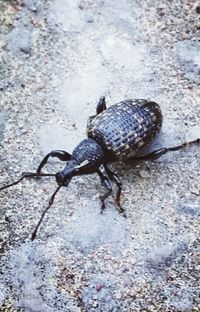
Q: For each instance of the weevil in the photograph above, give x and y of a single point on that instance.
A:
(119, 132)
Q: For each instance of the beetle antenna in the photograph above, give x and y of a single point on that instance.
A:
(27, 175)
(33, 236)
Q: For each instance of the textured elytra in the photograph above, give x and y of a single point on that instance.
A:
(126, 127)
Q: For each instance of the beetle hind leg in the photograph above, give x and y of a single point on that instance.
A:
(101, 106)
(162, 151)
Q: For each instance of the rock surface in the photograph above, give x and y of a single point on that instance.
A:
(57, 59)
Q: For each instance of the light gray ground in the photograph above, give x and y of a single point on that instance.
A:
(57, 58)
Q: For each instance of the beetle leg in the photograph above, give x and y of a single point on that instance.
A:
(27, 175)
(62, 155)
(33, 236)
(108, 189)
(101, 106)
(113, 177)
(158, 153)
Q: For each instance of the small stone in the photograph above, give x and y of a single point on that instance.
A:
(72, 292)
(99, 287)
(155, 199)
(8, 21)
(33, 8)
(151, 308)
(89, 19)
(194, 190)
(118, 296)
(144, 174)
(2, 44)
(82, 5)
(198, 26)
(133, 261)
(132, 292)
(95, 304)
(188, 57)
(25, 49)
(170, 182)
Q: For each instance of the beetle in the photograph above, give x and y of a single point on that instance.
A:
(119, 132)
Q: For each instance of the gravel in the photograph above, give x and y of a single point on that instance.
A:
(57, 59)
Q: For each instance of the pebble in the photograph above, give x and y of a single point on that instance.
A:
(151, 308)
(33, 8)
(189, 209)
(20, 40)
(195, 190)
(89, 18)
(8, 21)
(155, 199)
(118, 295)
(144, 174)
(99, 287)
(188, 57)
(95, 304)
(133, 261)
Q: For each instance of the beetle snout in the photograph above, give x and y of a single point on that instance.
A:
(60, 178)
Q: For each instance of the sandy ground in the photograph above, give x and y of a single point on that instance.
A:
(57, 58)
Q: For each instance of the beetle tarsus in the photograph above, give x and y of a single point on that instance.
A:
(103, 206)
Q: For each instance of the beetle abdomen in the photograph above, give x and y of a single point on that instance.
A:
(126, 127)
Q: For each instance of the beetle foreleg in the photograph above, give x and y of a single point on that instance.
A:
(33, 236)
(113, 177)
(108, 189)
(62, 155)
(27, 175)
(158, 153)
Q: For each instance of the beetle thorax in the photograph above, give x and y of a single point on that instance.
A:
(89, 155)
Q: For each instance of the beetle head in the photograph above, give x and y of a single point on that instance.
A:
(71, 169)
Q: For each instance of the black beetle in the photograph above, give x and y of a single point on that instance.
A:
(116, 133)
